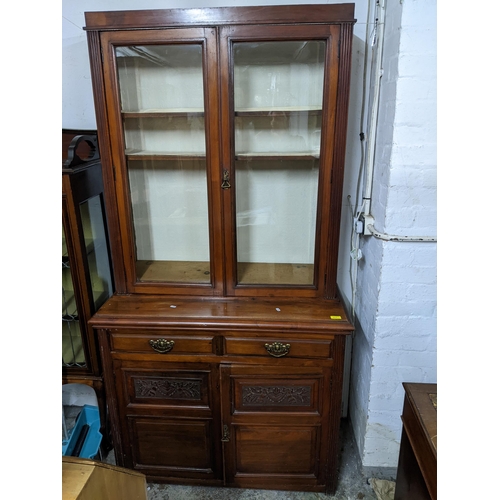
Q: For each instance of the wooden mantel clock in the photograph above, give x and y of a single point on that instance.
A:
(222, 137)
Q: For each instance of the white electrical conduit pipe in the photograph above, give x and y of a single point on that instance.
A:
(355, 252)
(370, 162)
(393, 237)
(372, 128)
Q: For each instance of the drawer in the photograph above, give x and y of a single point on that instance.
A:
(162, 342)
(278, 346)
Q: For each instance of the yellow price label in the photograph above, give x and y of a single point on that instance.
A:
(335, 317)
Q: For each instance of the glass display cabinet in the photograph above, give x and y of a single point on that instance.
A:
(223, 137)
(86, 268)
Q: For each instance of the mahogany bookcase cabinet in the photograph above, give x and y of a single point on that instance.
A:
(222, 134)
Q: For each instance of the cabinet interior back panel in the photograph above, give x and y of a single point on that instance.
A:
(170, 209)
(276, 211)
(275, 74)
(160, 76)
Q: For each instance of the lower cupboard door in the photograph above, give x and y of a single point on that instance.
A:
(275, 427)
(275, 450)
(173, 447)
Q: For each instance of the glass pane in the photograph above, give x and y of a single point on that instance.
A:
(162, 99)
(278, 96)
(97, 250)
(72, 348)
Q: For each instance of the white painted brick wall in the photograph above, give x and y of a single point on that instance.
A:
(396, 291)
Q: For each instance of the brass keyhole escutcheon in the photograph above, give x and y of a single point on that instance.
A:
(225, 179)
(162, 345)
(225, 434)
(277, 349)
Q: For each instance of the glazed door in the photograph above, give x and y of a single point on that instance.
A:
(163, 114)
(275, 426)
(278, 106)
(86, 273)
(75, 355)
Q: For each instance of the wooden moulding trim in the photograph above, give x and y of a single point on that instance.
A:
(342, 106)
(111, 395)
(272, 14)
(341, 328)
(335, 415)
(105, 151)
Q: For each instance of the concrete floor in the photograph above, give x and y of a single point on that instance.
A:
(352, 484)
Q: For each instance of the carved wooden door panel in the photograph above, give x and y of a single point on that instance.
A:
(170, 419)
(275, 425)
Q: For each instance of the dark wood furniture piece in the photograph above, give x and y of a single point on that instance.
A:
(86, 267)
(417, 468)
(222, 134)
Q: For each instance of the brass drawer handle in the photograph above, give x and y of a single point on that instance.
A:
(162, 345)
(277, 349)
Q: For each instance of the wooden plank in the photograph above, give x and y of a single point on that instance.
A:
(260, 273)
(279, 111)
(248, 272)
(165, 156)
(164, 113)
(74, 478)
(306, 155)
(84, 479)
(173, 271)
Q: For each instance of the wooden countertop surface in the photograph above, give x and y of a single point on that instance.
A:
(154, 310)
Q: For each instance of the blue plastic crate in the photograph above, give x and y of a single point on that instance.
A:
(88, 416)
